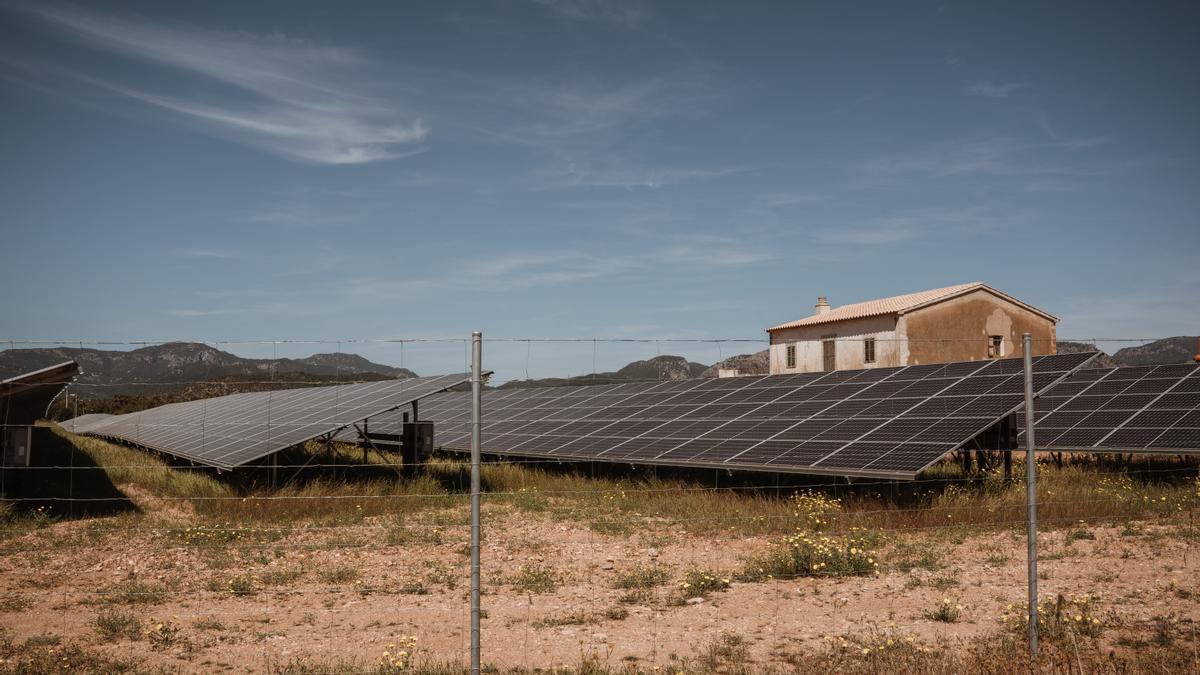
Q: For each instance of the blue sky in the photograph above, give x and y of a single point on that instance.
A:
(583, 168)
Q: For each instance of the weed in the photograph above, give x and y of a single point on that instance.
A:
(534, 579)
(134, 592)
(808, 555)
(440, 574)
(1057, 616)
(945, 611)
(163, 635)
(112, 625)
(616, 613)
(340, 575)
(698, 583)
(208, 623)
(14, 603)
(641, 577)
(1076, 534)
(280, 577)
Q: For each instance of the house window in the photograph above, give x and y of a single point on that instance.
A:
(995, 346)
(869, 350)
(791, 356)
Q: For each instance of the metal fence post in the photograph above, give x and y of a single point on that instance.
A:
(476, 418)
(1031, 492)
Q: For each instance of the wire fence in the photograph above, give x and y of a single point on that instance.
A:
(349, 564)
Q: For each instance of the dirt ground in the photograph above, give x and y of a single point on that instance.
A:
(250, 604)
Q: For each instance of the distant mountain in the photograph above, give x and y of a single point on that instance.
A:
(169, 366)
(758, 363)
(664, 367)
(1178, 349)
(1101, 361)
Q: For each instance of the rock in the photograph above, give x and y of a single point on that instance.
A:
(600, 637)
(652, 552)
(695, 601)
(607, 566)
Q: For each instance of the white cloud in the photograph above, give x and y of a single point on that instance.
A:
(290, 97)
(994, 89)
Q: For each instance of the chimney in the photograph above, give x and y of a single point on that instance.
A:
(822, 305)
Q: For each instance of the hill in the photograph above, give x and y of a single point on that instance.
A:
(1179, 349)
(758, 363)
(167, 367)
(665, 367)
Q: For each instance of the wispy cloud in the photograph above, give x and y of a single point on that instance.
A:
(994, 89)
(629, 12)
(218, 254)
(287, 96)
(1076, 142)
(584, 175)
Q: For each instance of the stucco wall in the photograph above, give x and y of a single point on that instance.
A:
(958, 329)
(889, 345)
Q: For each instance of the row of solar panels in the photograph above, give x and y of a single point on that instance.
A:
(881, 422)
(229, 431)
(885, 422)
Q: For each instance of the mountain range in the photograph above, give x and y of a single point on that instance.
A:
(167, 366)
(205, 370)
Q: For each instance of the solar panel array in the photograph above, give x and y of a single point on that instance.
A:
(883, 422)
(1132, 408)
(228, 431)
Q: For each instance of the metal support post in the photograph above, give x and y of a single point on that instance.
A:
(476, 420)
(1031, 492)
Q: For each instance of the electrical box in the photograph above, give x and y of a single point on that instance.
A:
(416, 440)
(16, 442)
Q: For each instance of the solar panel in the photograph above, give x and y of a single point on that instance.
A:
(228, 431)
(884, 422)
(84, 423)
(1125, 409)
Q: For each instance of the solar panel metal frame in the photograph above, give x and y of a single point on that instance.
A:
(829, 391)
(408, 391)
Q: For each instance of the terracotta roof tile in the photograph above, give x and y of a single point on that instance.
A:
(897, 304)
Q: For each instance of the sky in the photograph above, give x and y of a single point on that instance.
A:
(236, 172)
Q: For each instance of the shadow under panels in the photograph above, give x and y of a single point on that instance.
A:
(890, 422)
(1125, 409)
